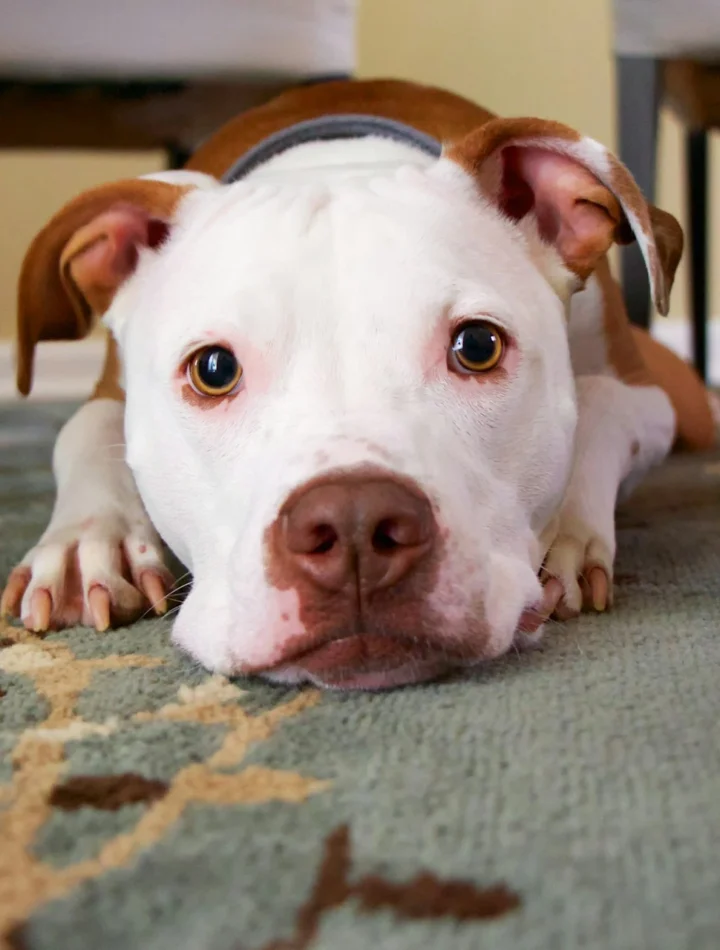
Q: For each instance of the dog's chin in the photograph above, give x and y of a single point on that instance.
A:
(372, 663)
(362, 663)
(368, 681)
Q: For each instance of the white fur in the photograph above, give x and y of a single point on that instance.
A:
(97, 520)
(181, 177)
(623, 431)
(346, 158)
(336, 292)
(588, 345)
(336, 272)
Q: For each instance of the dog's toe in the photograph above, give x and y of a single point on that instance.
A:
(12, 596)
(98, 575)
(579, 568)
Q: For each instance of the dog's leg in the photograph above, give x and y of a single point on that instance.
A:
(100, 560)
(622, 432)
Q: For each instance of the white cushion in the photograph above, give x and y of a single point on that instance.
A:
(175, 38)
(663, 28)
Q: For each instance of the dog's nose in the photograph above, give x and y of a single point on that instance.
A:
(370, 532)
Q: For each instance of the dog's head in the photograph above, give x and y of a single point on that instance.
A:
(350, 407)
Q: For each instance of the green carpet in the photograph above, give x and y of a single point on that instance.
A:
(561, 799)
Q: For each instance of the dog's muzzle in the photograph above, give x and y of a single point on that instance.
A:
(361, 550)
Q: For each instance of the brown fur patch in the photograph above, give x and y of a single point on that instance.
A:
(106, 792)
(108, 385)
(476, 148)
(50, 306)
(493, 156)
(663, 233)
(437, 112)
(669, 240)
(695, 424)
(623, 351)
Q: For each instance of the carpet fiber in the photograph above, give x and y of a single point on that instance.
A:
(565, 798)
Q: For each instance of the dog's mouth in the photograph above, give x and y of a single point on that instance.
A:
(371, 660)
(364, 662)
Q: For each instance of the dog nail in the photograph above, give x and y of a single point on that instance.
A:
(552, 592)
(154, 589)
(13, 594)
(99, 604)
(40, 611)
(599, 588)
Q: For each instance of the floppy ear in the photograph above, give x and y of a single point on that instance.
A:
(76, 264)
(582, 197)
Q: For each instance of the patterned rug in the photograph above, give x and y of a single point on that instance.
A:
(565, 798)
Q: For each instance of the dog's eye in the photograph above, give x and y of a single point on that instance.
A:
(214, 371)
(477, 347)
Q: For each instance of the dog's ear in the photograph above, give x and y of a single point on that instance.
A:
(583, 199)
(76, 264)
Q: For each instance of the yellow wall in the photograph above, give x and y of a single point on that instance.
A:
(516, 57)
(33, 185)
(524, 57)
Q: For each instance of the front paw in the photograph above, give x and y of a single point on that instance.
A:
(578, 571)
(102, 572)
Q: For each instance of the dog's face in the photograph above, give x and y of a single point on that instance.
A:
(362, 477)
(350, 412)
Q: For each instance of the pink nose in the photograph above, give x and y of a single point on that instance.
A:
(369, 532)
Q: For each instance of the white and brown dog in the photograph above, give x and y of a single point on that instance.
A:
(365, 391)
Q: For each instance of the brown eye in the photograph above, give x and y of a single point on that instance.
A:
(477, 346)
(214, 371)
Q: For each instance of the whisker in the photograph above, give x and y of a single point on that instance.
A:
(579, 648)
(176, 589)
(168, 616)
(544, 574)
(178, 585)
(554, 624)
(151, 610)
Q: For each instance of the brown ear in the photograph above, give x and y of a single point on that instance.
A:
(582, 197)
(669, 241)
(81, 257)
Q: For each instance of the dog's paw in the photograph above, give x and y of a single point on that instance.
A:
(578, 571)
(102, 572)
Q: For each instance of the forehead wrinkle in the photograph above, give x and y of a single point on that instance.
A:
(362, 272)
(249, 266)
(245, 210)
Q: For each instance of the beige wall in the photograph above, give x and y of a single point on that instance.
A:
(514, 56)
(32, 187)
(524, 57)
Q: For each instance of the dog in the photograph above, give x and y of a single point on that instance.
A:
(368, 377)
